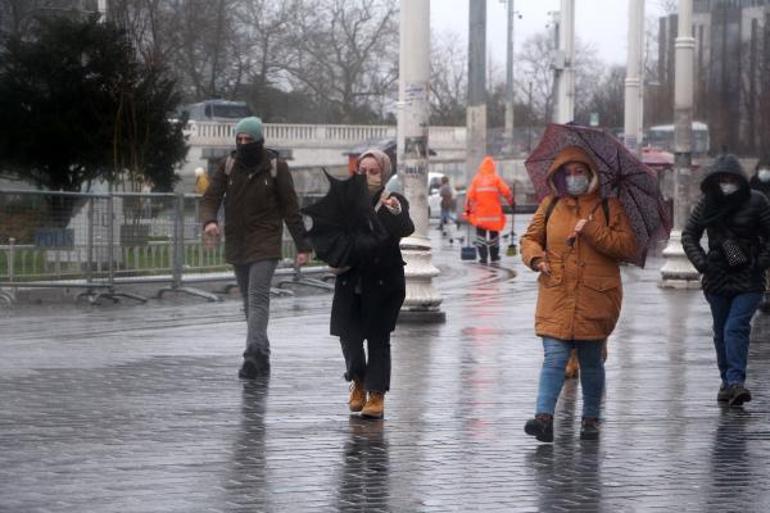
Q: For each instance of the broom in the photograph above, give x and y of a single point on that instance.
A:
(512, 250)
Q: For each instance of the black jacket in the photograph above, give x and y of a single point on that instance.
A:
(743, 216)
(379, 276)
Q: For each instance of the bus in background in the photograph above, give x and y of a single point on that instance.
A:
(662, 137)
(216, 110)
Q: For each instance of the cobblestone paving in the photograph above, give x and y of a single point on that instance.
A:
(138, 409)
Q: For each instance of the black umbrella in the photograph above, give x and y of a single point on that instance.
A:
(338, 219)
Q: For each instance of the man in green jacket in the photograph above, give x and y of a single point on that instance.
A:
(259, 196)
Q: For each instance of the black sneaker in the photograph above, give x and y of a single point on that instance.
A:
(541, 427)
(254, 367)
(739, 395)
(724, 393)
(590, 428)
(482, 260)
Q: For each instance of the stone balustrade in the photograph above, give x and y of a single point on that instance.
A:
(216, 134)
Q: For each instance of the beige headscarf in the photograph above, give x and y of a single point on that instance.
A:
(382, 159)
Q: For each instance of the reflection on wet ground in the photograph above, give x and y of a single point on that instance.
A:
(139, 409)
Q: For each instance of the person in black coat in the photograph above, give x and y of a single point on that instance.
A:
(368, 295)
(737, 222)
(761, 182)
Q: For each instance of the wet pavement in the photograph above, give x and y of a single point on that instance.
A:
(137, 408)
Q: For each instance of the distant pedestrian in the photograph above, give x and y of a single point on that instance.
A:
(484, 210)
(369, 293)
(259, 197)
(737, 222)
(201, 180)
(448, 207)
(761, 182)
(576, 241)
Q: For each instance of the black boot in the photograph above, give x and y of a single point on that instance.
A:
(255, 366)
(738, 395)
(482, 253)
(541, 427)
(724, 393)
(589, 428)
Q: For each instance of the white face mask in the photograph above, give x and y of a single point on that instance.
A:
(728, 188)
(577, 185)
(764, 175)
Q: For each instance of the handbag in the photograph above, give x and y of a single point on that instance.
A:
(732, 251)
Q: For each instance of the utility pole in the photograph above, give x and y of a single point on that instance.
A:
(101, 6)
(678, 272)
(566, 60)
(476, 114)
(422, 301)
(632, 131)
(510, 138)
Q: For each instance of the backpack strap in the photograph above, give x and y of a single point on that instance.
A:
(273, 168)
(229, 163)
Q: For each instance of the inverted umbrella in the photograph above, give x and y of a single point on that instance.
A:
(337, 220)
(621, 175)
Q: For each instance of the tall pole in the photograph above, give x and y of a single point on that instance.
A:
(422, 301)
(632, 134)
(476, 114)
(509, 92)
(678, 272)
(566, 87)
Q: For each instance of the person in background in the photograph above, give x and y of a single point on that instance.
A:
(448, 207)
(484, 210)
(737, 222)
(259, 196)
(201, 180)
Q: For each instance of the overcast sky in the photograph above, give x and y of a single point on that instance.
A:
(603, 23)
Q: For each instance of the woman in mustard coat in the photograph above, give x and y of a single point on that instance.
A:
(576, 241)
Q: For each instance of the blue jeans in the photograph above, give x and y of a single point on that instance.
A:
(557, 354)
(732, 329)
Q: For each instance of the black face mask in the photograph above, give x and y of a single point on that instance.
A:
(250, 154)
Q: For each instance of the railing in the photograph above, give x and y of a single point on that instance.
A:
(205, 133)
(100, 241)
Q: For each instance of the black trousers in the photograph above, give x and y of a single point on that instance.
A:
(372, 368)
(493, 244)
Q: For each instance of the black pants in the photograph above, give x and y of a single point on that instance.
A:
(374, 371)
(493, 244)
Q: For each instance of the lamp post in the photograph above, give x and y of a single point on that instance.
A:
(422, 301)
(509, 72)
(632, 133)
(566, 63)
(678, 272)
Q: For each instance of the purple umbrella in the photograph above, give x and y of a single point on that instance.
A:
(621, 175)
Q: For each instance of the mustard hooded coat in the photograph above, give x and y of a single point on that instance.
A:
(580, 299)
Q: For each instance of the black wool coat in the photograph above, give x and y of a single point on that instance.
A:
(744, 217)
(378, 273)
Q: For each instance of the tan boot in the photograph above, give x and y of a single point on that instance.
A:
(357, 396)
(375, 405)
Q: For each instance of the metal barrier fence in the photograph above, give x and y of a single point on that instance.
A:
(98, 241)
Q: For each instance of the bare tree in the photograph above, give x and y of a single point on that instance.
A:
(345, 55)
(535, 66)
(448, 80)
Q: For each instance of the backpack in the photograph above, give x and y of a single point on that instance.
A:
(552, 205)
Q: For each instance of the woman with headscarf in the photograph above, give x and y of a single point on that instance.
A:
(368, 295)
(737, 222)
(576, 241)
